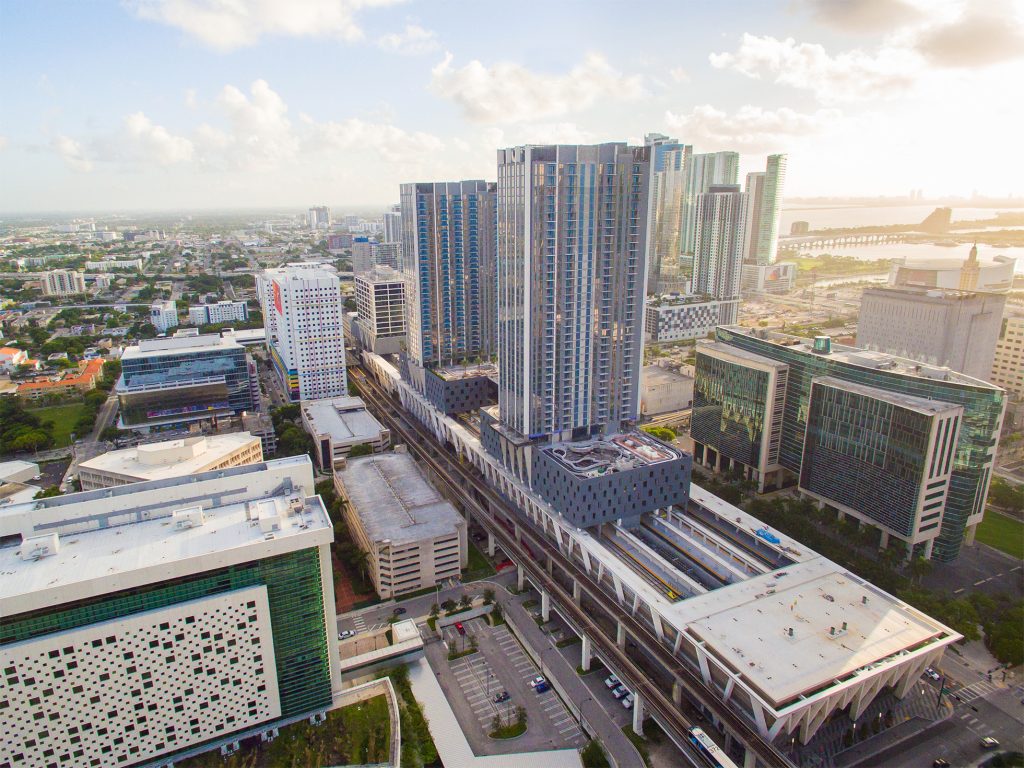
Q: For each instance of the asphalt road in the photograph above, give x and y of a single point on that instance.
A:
(105, 418)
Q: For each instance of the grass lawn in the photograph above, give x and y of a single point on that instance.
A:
(479, 567)
(63, 418)
(1002, 532)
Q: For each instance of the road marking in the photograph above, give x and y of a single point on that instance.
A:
(958, 591)
(979, 583)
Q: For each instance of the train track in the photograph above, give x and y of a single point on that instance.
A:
(425, 444)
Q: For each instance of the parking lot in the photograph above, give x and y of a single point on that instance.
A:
(472, 683)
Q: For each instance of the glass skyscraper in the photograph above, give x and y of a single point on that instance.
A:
(718, 252)
(671, 161)
(572, 234)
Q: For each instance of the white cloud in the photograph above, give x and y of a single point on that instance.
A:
(391, 143)
(191, 98)
(72, 152)
(749, 129)
(848, 76)
(156, 143)
(679, 74)
(411, 41)
(260, 134)
(3, 143)
(508, 92)
(863, 15)
(980, 36)
(229, 24)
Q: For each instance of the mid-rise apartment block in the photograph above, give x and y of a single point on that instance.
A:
(185, 378)
(777, 407)
(380, 306)
(677, 317)
(415, 538)
(163, 315)
(303, 316)
(63, 282)
(142, 621)
(221, 312)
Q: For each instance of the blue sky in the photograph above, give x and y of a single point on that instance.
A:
(243, 103)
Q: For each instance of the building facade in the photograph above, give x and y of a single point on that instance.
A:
(340, 424)
(1008, 361)
(63, 282)
(303, 314)
(319, 217)
(721, 221)
(221, 312)
(155, 618)
(706, 170)
(671, 161)
(764, 201)
(674, 318)
(163, 315)
(950, 328)
(380, 307)
(391, 223)
(182, 379)
(777, 278)
(573, 247)
(993, 275)
(982, 405)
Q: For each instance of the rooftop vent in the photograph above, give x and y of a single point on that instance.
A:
(190, 517)
(36, 547)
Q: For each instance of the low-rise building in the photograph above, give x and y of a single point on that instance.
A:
(170, 458)
(11, 358)
(677, 317)
(81, 380)
(415, 539)
(339, 424)
(221, 312)
(664, 390)
(18, 471)
(776, 278)
(165, 616)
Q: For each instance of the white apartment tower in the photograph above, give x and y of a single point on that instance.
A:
(319, 217)
(63, 282)
(706, 170)
(302, 315)
(721, 216)
(764, 209)
(163, 315)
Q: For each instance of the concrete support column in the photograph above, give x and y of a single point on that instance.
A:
(551, 566)
(545, 605)
(518, 533)
(728, 742)
(749, 759)
(585, 654)
(883, 542)
(520, 580)
(490, 545)
(677, 693)
(840, 515)
(638, 714)
(620, 634)
(779, 479)
(928, 547)
(576, 592)
(969, 535)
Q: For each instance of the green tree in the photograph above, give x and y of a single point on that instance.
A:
(488, 596)
(360, 450)
(664, 434)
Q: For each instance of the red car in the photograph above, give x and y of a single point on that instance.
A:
(459, 628)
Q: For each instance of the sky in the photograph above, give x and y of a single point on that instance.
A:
(227, 104)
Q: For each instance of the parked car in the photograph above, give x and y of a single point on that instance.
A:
(611, 681)
(940, 762)
(459, 628)
(503, 696)
(399, 611)
(628, 701)
(542, 687)
(932, 674)
(989, 743)
(538, 680)
(619, 691)
(345, 634)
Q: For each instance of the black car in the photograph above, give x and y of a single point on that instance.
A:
(399, 611)
(940, 762)
(503, 696)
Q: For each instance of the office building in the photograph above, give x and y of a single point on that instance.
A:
(448, 254)
(764, 209)
(671, 161)
(676, 317)
(415, 538)
(142, 621)
(302, 314)
(362, 254)
(169, 458)
(339, 425)
(387, 255)
(380, 309)
(339, 242)
(994, 275)
(706, 170)
(946, 328)
(573, 246)
(777, 278)
(391, 229)
(721, 220)
(221, 312)
(1008, 360)
(63, 282)
(163, 315)
(185, 378)
(769, 404)
(319, 217)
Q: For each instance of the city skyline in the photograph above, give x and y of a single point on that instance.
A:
(286, 105)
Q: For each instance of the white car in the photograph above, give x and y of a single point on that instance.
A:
(346, 634)
(537, 681)
(628, 701)
(932, 674)
(611, 681)
(619, 691)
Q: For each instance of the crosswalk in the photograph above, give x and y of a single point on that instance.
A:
(978, 690)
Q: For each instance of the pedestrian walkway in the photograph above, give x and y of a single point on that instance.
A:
(978, 690)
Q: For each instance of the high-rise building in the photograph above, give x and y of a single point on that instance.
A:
(185, 378)
(1008, 362)
(143, 621)
(63, 282)
(380, 307)
(319, 217)
(163, 315)
(221, 312)
(671, 161)
(362, 254)
(392, 225)
(895, 444)
(955, 329)
(721, 220)
(302, 315)
(573, 247)
(449, 262)
(706, 170)
(764, 209)
(387, 255)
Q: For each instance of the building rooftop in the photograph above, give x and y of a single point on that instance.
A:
(468, 371)
(180, 345)
(614, 453)
(718, 347)
(169, 458)
(658, 375)
(919, 404)
(394, 500)
(82, 377)
(344, 419)
(667, 300)
(859, 357)
(116, 538)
